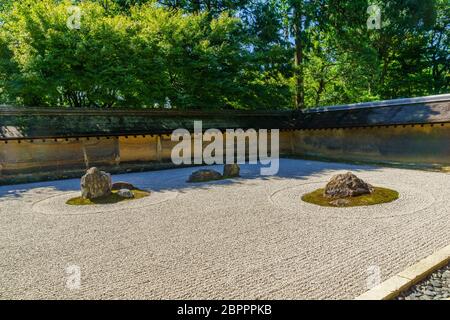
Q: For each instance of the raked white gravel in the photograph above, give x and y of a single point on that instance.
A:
(250, 237)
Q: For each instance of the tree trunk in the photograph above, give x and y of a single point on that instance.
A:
(195, 6)
(298, 58)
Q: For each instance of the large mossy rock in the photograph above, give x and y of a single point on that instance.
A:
(231, 170)
(204, 175)
(95, 184)
(346, 185)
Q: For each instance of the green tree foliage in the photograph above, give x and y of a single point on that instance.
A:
(343, 62)
(240, 54)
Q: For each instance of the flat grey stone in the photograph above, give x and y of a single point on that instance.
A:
(125, 193)
(436, 283)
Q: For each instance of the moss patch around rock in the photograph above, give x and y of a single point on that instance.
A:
(380, 195)
(112, 198)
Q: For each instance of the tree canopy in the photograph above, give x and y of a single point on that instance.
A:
(220, 54)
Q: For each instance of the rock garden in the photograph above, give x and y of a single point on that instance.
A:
(204, 175)
(97, 188)
(347, 190)
(242, 231)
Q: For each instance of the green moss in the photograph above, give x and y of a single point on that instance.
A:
(380, 195)
(112, 198)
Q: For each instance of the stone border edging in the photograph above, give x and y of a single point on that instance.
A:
(392, 287)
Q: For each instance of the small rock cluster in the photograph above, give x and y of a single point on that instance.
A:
(435, 287)
(97, 184)
(346, 185)
(203, 175)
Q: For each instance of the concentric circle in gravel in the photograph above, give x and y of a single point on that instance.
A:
(410, 201)
(56, 205)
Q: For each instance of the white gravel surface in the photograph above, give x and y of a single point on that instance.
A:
(250, 237)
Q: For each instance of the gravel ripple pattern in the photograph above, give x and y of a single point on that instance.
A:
(249, 237)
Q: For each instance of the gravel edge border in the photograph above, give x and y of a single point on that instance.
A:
(404, 280)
